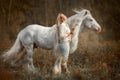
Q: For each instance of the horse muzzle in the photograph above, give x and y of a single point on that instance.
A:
(98, 29)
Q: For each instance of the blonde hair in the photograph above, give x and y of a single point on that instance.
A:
(61, 18)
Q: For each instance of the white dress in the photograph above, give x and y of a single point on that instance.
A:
(64, 32)
(63, 47)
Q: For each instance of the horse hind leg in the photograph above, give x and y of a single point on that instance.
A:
(29, 59)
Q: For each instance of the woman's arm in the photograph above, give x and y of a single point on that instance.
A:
(62, 31)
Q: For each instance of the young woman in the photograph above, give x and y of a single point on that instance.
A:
(64, 35)
(62, 48)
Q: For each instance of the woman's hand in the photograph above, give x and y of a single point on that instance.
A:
(72, 31)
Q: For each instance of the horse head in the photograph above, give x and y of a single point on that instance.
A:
(87, 19)
(83, 18)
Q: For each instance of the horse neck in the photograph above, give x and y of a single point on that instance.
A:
(78, 28)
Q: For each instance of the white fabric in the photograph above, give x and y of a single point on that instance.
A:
(65, 48)
(62, 49)
(64, 32)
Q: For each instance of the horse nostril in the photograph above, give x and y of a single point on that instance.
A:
(99, 29)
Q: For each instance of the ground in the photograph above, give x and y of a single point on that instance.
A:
(93, 60)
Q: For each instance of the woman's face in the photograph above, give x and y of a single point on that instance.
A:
(62, 18)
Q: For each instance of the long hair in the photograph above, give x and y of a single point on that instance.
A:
(60, 18)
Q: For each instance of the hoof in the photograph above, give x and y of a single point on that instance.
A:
(56, 72)
(67, 72)
(30, 69)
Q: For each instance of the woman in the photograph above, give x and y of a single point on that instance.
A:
(62, 48)
(64, 35)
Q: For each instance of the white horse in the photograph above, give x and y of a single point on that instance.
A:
(46, 37)
(81, 19)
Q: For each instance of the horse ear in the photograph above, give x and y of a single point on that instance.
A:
(85, 13)
(76, 11)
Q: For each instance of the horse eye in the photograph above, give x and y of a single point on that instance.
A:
(91, 20)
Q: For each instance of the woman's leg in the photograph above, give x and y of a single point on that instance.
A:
(65, 48)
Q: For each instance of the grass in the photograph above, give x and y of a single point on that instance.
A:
(91, 61)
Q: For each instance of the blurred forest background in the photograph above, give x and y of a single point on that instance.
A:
(97, 56)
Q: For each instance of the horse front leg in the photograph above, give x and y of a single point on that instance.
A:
(57, 67)
(64, 65)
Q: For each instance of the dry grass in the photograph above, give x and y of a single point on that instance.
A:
(93, 60)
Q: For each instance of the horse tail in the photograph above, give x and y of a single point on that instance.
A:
(14, 50)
